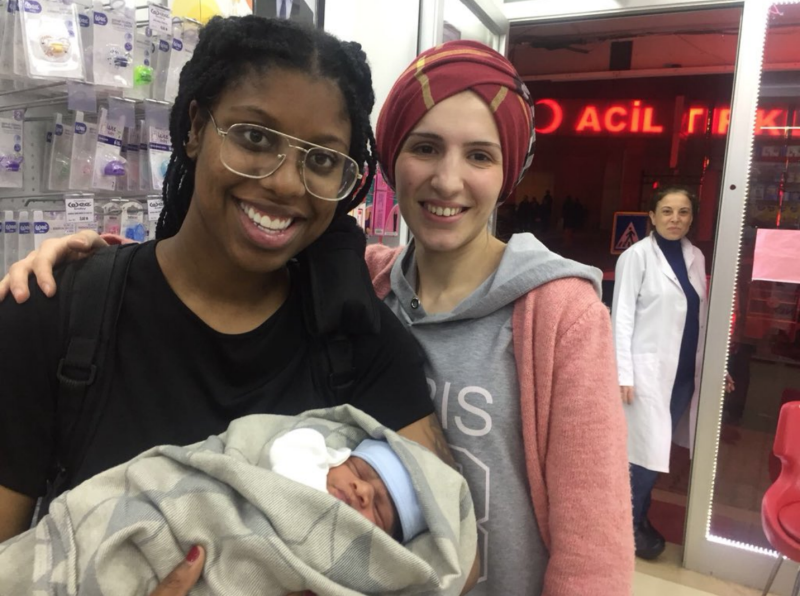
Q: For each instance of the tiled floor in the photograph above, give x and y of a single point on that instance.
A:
(667, 578)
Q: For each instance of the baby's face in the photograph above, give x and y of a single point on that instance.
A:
(357, 483)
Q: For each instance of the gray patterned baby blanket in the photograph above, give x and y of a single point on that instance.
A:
(124, 530)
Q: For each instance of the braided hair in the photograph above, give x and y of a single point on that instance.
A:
(231, 48)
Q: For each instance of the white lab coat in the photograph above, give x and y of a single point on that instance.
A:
(648, 316)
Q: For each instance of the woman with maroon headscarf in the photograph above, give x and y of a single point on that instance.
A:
(520, 358)
(519, 348)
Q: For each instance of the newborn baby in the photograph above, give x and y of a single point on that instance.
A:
(371, 479)
(290, 504)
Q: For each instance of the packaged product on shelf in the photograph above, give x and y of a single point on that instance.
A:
(24, 234)
(144, 162)
(112, 34)
(9, 239)
(87, 41)
(84, 141)
(48, 152)
(161, 59)
(48, 224)
(11, 156)
(122, 180)
(132, 223)
(12, 56)
(142, 66)
(155, 205)
(771, 193)
(790, 210)
(112, 213)
(3, 12)
(185, 36)
(132, 178)
(109, 164)
(159, 151)
(52, 46)
(60, 157)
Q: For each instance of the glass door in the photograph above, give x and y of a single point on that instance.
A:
(754, 316)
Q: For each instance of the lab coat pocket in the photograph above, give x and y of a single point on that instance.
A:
(645, 377)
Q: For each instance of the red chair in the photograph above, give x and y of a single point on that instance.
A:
(774, 463)
(780, 509)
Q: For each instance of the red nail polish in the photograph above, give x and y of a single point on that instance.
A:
(193, 555)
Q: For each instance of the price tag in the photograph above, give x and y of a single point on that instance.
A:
(154, 207)
(160, 20)
(79, 209)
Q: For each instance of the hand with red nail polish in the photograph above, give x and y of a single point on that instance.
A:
(184, 576)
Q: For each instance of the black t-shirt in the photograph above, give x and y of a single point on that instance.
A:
(177, 381)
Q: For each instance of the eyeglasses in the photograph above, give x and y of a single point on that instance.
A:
(257, 152)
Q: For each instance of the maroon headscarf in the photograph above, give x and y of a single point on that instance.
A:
(447, 70)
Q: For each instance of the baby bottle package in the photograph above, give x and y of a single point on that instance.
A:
(144, 162)
(12, 54)
(109, 165)
(84, 143)
(122, 179)
(161, 59)
(47, 224)
(3, 12)
(10, 248)
(87, 41)
(132, 177)
(112, 39)
(185, 35)
(24, 234)
(52, 45)
(11, 156)
(60, 156)
(48, 152)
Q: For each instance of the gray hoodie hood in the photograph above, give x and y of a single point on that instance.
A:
(526, 265)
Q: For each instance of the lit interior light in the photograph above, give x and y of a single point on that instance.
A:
(756, 118)
(743, 546)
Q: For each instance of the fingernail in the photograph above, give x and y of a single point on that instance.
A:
(194, 554)
(47, 289)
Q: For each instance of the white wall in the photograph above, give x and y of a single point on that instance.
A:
(386, 29)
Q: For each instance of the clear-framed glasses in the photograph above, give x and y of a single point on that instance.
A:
(257, 152)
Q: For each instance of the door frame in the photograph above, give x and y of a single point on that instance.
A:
(729, 559)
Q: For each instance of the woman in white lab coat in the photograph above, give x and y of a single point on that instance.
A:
(659, 318)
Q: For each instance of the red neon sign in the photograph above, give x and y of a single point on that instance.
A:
(633, 117)
(637, 117)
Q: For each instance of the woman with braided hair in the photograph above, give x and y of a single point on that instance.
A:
(221, 316)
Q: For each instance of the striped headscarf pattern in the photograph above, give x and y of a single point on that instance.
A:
(450, 69)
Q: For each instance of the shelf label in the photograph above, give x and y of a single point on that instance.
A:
(79, 209)
(154, 207)
(160, 20)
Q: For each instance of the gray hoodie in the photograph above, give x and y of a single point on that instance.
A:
(472, 378)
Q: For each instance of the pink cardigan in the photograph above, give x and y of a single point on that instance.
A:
(573, 430)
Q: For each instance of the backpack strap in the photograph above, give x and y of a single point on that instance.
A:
(341, 370)
(91, 304)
